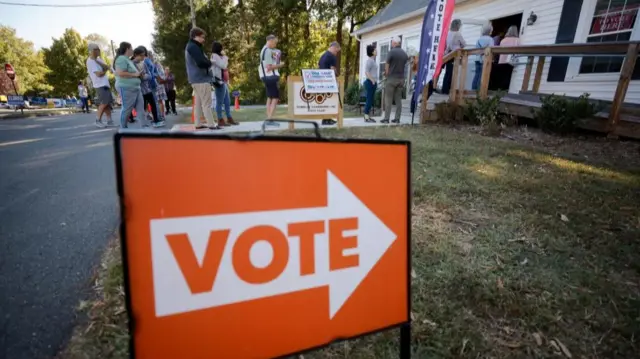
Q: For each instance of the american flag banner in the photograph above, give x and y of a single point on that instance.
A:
(433, 42)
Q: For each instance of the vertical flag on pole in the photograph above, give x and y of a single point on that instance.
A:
(433, 42)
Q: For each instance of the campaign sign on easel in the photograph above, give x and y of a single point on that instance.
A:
(301, 249)
(320, 81)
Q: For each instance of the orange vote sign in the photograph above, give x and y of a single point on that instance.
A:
(261, 248)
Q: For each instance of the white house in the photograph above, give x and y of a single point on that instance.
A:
(540, 22)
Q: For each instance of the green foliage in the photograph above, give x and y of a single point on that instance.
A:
(559, 114)
(103, 42)
(485, 112)
(305, 29)
(28, 63)
(352, 97)
(67, 60)
(377, 100)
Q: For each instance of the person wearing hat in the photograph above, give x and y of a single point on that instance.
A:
(97, 69)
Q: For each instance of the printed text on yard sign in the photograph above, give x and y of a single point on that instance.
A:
(300, 250)
(320, 81)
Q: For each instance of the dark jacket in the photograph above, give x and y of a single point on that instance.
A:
(198, 65)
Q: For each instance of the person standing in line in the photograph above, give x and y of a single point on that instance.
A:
(146, 75)
(269, 74)
(220, 63)
(505, 66)
(394, 69)
(371, 83)
(200, 78)
(160, 93)
(149, 85)
(329, 61)
(98, 69)
(170, 89)
(84, 96)
(484, 41)
(128, 85)
(455, 41)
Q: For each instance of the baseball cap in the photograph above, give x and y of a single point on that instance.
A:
(271, 37)
(93, 46)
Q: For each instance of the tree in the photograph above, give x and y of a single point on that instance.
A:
(103, 42)
(67, 61)
(28, 63)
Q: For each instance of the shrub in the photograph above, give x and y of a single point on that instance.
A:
(485, 112)
(377, 100)
(559, 114)
(352, 97)
(449, 112)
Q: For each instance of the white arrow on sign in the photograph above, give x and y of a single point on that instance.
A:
(172, 293)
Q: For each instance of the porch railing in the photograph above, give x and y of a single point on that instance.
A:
(629, 50)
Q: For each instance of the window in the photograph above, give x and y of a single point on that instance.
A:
(383, 51)
(411, 45)
(613, 20)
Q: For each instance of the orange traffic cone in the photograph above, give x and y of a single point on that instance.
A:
(237, 105)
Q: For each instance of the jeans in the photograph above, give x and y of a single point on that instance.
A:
(85, 103)
(370, 90)
(222, 98)
(131, 99)
(477, 77)
(393, 91)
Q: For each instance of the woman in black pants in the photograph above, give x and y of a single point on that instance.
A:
(147, 86)
(455, 41)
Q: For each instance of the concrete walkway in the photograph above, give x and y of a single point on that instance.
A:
(256, 126)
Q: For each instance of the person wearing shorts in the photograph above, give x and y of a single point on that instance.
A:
(98, 69)
(268, 70)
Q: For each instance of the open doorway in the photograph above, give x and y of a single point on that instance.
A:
(501, 73)
(501, 25)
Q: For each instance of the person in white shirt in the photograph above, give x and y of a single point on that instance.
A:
(84, 97)
(98, 69)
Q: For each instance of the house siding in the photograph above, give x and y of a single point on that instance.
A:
(405, 28)
(544, 31)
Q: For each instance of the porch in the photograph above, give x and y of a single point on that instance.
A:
(617, 118)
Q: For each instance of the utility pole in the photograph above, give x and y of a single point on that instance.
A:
(113, 50)
(193, 13)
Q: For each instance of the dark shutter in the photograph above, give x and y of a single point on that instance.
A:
(566, 33)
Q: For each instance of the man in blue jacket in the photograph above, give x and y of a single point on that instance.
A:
(200, 78)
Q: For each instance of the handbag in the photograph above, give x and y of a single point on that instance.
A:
(217, 82)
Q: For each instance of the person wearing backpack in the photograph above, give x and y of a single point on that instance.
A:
(269, 74)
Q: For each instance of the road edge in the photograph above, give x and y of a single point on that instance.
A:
(103, 332)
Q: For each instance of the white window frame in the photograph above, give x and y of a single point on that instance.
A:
(582, 32)
(381, 63)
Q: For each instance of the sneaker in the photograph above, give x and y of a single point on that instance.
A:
(99, 123)
(215, 127)
(110, 123)
(384, 121)
(157, 124)
(395, 121)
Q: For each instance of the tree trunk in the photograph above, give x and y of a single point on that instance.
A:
(339, 25)
(348, 57)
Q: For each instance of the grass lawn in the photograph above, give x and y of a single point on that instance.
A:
(259, 114)
(528, 247)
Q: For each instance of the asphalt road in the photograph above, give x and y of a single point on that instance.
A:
(58, 209)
